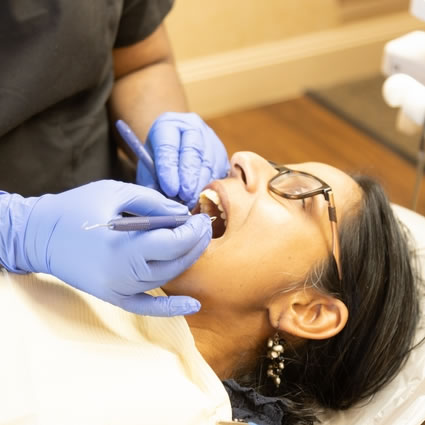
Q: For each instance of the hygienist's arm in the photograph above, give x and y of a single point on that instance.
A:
(186, 151)
(146, 83)
(14, 213)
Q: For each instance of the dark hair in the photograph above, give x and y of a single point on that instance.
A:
(380, 289)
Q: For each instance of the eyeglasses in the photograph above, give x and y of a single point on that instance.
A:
(293, 184)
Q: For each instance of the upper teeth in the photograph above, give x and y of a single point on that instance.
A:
(212, 195)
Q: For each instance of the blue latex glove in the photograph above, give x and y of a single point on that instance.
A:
(45, 235)
(187, 155)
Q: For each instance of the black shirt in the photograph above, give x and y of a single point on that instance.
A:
(56, 76)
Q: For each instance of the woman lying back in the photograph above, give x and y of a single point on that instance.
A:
(308, 297)
(309, 294)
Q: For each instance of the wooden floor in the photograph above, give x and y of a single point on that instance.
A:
(300, 130)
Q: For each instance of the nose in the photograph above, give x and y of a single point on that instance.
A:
(252, 169)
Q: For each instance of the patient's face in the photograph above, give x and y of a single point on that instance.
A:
(269, 242)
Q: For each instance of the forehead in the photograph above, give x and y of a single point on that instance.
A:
(346, 190)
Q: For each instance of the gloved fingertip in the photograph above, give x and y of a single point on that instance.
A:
(206, 224)
(168, 176)
(205, 217)
(169, 189)
(191, 204)
(183, 306)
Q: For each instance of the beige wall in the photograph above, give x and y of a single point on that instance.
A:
(235, 54)
(205, 27)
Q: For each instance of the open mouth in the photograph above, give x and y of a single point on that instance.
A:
(209, 203)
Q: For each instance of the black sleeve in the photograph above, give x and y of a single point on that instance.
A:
(139, 19)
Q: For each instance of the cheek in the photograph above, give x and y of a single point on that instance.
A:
(270, 251)
(286, 248)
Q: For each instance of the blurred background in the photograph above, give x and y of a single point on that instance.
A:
(299, 80)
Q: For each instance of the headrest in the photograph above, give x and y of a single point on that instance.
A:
(402, 401)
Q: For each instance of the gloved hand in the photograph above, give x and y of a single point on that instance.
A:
(187, 155)
(46, 235)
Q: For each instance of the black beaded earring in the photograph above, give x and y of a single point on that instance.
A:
(275, 352)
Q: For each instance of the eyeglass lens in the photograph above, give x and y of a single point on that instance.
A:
(295, 183)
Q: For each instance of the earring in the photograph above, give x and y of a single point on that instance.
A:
(277, 361)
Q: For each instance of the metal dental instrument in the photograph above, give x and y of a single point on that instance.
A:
(136, 146)
(144, 222)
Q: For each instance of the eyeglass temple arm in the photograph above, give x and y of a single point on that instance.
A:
(335, 240)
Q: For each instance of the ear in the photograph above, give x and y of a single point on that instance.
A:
(309, 314)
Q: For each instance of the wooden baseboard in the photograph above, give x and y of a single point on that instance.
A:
(272, 72)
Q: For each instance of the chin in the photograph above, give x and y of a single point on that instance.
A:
(181, 285)
(196, 282)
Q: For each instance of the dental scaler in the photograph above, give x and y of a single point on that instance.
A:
(144, 223)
